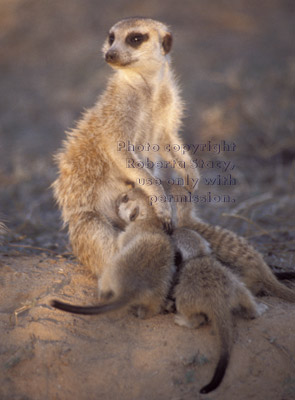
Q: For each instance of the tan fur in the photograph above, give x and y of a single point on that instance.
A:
(232, 250)
(206, 291)
(140, 104)
(187, 242)
(140, 275)
(236, 253)
(144, 265)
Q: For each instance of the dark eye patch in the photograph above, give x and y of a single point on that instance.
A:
(124, 198)
(111, 38)
(135, 39)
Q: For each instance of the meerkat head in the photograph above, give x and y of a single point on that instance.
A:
(138, 44)
(133, 206)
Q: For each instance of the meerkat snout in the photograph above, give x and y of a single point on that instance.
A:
(112, 56)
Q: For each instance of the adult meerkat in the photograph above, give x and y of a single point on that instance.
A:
(141, 104)
(140, 275)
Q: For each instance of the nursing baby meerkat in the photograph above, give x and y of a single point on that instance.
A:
(232, 250)
(140, 275)
(140, 105)
(236, 253)
(208, 292)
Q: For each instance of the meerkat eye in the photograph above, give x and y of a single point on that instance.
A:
(124, 198)
(111, 38)
(136, 39)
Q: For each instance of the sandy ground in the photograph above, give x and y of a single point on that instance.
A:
(48, 354)
(236, 63)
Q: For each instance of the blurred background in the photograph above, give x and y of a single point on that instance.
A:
(235, 60)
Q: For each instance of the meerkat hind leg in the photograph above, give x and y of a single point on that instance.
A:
(143, 311)
(247, 307)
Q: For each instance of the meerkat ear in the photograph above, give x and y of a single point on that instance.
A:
(167, 43)
(134, 214)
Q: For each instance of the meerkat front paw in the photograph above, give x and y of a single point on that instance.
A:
(261, 308)
(194, 322)
(142, 312)
(164, 212)
(181, 320)
(168, 227)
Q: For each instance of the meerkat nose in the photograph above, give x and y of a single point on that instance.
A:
(112, 56)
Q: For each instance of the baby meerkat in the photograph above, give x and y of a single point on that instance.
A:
(141, 105)
(140, 275)
(236, 253)
(232, 250)
(209, 292)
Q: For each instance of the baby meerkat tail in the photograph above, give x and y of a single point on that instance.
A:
(218, 374)
(223, 325)
(89, 310)
(285, 275)
(275, 288)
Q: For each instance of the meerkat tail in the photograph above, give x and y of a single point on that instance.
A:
(223, 326)
(218, 374)
(273, 287)
(89, 310)
(285, 275)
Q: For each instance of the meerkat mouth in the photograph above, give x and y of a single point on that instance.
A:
(119, 64)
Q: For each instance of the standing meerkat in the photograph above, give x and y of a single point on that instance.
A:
(140, 275)
(141, 104)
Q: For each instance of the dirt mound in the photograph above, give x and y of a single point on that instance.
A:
(48, 354)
